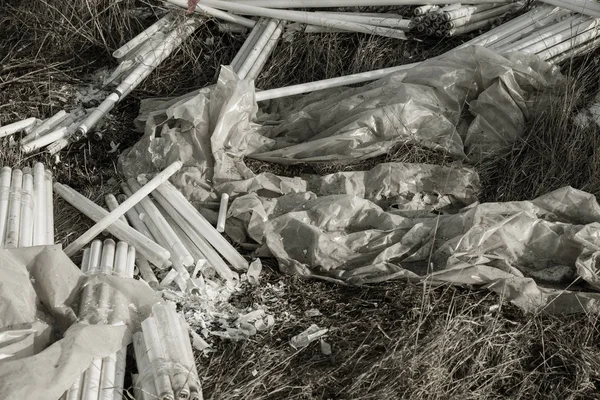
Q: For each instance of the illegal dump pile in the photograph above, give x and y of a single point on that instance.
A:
(316, 176)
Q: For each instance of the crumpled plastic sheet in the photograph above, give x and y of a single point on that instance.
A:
(40, 293)
(509, 246)
(423, 105)
(212, 130)
(410, 221)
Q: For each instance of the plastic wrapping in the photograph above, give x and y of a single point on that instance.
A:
(410, 221)
(40, 292)
(469, 102)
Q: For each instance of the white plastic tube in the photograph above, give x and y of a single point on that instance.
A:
(107, 377)
(575, 51)
(156, 357)
(15, 127)
(142, 37)
(11, 240)
(5, 177)
(586, 7)
(120, 265)
(40, 233)
(114, 215)
(112, 203)
(202, 226)
(559, 36)
(470, 27)
(523, 30)
(195, 389)
(465, 11)
(139, 73)
(570, 22)
(131, 256)
(329, 83)
(222, 212)
(146, 272)
(298, 16)
(47, 126)
(262, 58)
(49, 208)
(44, 140)
(109, 363)
(258, 47)
(155, 57)
(397, 23)
(91, 380)
(90, 256)
(568, 44)
(480, 16)
(209, 253)
(143, 383)
(225, 16)
(248, 44)
(145, 246)
(529, 20)
(170, 338)
(27, 210)
(133, 217)
(176, 248)
(185, 239)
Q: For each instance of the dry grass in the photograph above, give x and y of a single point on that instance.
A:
(399, 341)
(555, 152)
(390, 341)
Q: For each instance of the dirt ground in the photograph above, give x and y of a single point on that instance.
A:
(395, 340)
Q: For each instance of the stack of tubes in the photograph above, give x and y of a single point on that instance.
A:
(139, 58)
(457, 19)
(381, 20)
(102, 304)
(540, 22)
(254, 53)
(164, 357)
(49, 133)
(26, 207)
(554, 34)
(348, 22)
(172, 225)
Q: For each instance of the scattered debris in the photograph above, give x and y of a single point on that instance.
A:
(305, 338)
(253, 272)
(313, 312)
(325, 348)
(350, 227)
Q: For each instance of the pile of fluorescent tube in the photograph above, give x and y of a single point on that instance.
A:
(102, 304)
(26, 207)
(458, 19)
(167, 231)
(164, 356)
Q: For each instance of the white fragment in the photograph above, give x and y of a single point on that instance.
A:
(325, 348)
(313, 312)
(309, 335)
(199, 343)
(254, 271)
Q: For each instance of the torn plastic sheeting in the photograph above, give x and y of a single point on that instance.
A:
(387, 184)
(44, 297)
(183, 131)
(507, 246)
(409, 190)
(212, 130)
(421, 105)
